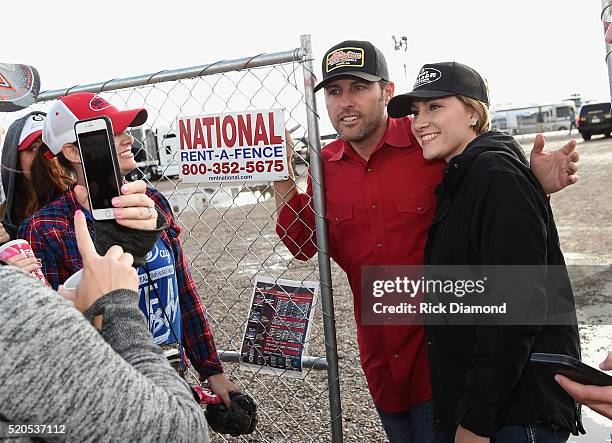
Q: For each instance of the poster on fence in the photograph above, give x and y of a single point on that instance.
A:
(278, 327)
(241, 146)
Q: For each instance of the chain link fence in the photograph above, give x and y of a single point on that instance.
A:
(229, 228)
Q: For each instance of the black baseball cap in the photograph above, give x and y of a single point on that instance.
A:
(441, 80)
(353, 57)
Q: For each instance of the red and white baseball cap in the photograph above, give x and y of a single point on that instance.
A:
(32, 129)
(66, 111)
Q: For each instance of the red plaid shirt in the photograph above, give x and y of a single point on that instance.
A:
(378, 213)
(50, 232)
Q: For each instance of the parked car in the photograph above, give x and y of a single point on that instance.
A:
(594, 118)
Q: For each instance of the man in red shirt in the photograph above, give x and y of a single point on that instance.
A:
(380, 201)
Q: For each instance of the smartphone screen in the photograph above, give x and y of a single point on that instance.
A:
(97, 159)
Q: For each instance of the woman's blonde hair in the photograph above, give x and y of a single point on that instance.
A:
(482, 110)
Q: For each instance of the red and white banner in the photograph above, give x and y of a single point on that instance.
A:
(242, 146)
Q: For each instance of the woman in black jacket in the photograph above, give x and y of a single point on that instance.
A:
(492, 210)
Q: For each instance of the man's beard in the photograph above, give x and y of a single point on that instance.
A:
(360, 136)
(364, 133)
(370, 126)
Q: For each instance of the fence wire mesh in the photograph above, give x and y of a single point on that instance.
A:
(229, 229)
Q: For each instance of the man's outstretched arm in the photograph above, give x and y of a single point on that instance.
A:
(557, 169)
(295, 224)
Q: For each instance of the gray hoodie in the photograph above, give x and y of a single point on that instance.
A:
(108, 385)
(10, 157)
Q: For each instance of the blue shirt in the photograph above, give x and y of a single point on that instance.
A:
(159, 295)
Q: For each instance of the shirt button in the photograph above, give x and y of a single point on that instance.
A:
(373, 206)
(420, 209)
(395, 355)
(369, 169)
(336, 219)
(379, 245)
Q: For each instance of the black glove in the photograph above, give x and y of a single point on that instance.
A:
(134, 241)
(239, 419)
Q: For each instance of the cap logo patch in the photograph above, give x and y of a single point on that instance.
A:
(99, 104)
(426, 76)
(342, 57)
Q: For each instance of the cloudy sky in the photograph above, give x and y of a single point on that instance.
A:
(529, 50)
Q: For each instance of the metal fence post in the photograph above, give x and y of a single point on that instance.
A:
(329, 319)
(606, 11)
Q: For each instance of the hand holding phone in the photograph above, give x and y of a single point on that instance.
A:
(98, 153)
(572, 368)
(598, 398)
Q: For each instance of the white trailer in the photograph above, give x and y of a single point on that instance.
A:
(167, 149)
(145, 154)
(534, 118)
(155, 152)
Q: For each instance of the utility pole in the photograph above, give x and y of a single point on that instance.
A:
(400, 44)
(606, 18)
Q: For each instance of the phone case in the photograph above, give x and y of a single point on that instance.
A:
(103, 213)
(571, 368)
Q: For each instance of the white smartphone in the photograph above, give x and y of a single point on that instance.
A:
(100, 164)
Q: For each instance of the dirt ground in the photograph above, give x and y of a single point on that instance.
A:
(229, 246)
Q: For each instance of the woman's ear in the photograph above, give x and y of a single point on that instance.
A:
(71, 152)
(473, 115)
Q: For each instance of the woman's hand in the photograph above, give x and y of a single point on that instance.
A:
(101, 274)
(598, 398)
(222, 386)
(4, 237)
(134, 209)
(27, 264)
